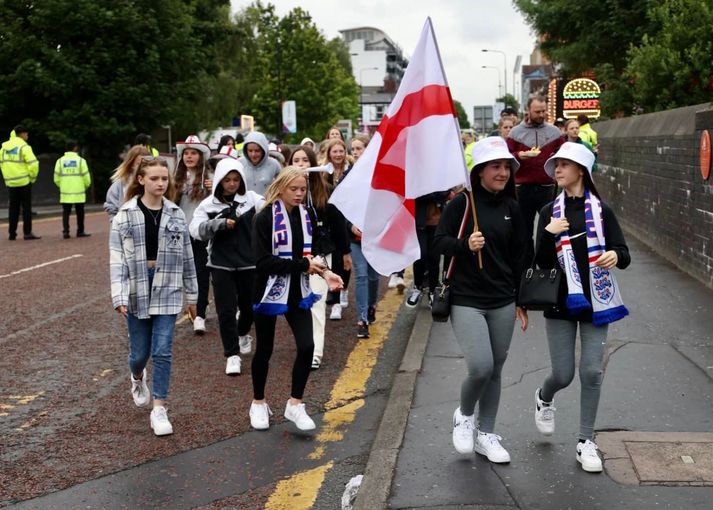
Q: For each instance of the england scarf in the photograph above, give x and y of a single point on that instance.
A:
(607, 305)
(277, 290)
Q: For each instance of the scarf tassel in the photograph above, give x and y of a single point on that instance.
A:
(609, 315)
(310, 300)
(577, 303)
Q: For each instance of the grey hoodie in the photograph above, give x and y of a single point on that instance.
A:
(259, 177)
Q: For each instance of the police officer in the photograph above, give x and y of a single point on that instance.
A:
(71, 175)
(145, 140)
(19, 169)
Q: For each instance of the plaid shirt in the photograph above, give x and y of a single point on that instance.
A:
(175, 270)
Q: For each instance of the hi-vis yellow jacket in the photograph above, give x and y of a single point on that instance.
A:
(71, 175)
(19, 164)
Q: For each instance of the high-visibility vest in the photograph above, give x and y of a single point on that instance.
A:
(71, 175)
(19, 164)
(469, 156)
(588, 134)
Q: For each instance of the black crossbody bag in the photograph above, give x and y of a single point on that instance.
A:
(539, 288)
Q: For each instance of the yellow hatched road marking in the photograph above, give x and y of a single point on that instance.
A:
(299, 491)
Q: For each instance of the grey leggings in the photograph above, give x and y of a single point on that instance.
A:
(484, 337)
(561, 337)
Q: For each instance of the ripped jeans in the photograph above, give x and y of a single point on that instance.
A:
(561, 338)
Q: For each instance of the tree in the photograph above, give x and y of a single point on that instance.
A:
(462, 116)
(509, 101)
(672, 67)
(294, 61)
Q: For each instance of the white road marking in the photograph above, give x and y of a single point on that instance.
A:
(38, 266)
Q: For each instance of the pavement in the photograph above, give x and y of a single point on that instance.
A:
(45, 211)
(653, 426)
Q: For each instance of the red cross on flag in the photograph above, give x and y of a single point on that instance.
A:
(416, 151)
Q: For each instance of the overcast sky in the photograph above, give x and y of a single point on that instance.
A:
(463, 28)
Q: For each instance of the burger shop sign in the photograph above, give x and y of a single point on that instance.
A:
(581, 97)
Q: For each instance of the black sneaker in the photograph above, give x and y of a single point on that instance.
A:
(362, 330)
(371, 315)
(414, 298)
(83, 234)
(31, 237)
(65, 235)
(12, 237)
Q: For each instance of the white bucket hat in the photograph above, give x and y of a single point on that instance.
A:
(576, 152)
(490, 149)
(192, 142)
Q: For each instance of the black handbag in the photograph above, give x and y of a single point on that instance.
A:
(539, 289)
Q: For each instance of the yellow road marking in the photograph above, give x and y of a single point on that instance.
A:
(299, 491)
(25, 399)
(54, 218)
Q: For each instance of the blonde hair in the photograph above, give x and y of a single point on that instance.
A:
(126, 169)
(283, 179)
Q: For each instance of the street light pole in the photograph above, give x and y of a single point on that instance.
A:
(505, 63)
(500, 84)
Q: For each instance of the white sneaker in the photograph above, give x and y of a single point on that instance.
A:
(316, 363)
(298, 415)
(463, 427)
(260, 416)
(414, 298)
(336, 314)
(344, 298)
(393, 280)
(199, 325)
(159, 422)
(140, 390)
(232, 365)
(544, 415)
(489, 445)
(246, 344)
(587, 456)
(237, 316)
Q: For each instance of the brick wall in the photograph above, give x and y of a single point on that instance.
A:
(650, 175)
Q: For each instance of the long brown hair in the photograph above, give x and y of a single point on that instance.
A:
(135, 188)
(197, 192)
(124, 171)
(319, 188)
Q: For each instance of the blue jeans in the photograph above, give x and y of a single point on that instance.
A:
(367, 282)
(152, 337)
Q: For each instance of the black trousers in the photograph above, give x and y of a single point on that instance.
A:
(66, 211)
(300, 322)
(200, 258)
(338, 268)
(20, 197)
(532, 198)
(233, 290)
(429, 260)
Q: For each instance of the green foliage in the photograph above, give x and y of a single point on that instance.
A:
(674, 66)
(509, 100)
(462, 116)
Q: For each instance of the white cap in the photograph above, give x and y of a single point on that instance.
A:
(229, 151)
(490, 149)
(576, 152)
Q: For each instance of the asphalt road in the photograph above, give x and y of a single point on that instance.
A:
(71, 437)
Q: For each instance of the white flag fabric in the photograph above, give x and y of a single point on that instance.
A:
(416, 151)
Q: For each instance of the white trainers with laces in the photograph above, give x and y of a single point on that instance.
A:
(489, 445)
(544, 415)
(298, 415)
(463, 428)
(260, 416)
(199, 325)
(393, 280)
(246, 344)
(232, 365)
(344, 298)
(336, 314)
(140, 390)
(159, 422)
(587, 456)
(414, 298)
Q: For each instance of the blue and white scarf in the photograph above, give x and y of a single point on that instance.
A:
(608, 305)
(277, 290)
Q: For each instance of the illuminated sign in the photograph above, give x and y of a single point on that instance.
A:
(581, 97)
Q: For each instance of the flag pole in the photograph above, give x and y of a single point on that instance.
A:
(455, 118)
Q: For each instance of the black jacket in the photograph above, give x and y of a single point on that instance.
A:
(546, 255)
(232, 248)
(501, 223)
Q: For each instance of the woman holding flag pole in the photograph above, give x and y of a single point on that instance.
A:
(579, 234)
(486, 269)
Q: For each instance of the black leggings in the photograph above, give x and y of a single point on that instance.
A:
(233, 290)
(300, 322)
(200, 259)
(429, 259)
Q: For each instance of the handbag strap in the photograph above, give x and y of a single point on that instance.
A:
(449, 272)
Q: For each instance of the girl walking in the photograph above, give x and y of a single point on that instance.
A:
(224, 221)
(581, 235)
(282, 241)
(151, 266)
(483, 309)
(193, 184)
(121, 178)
